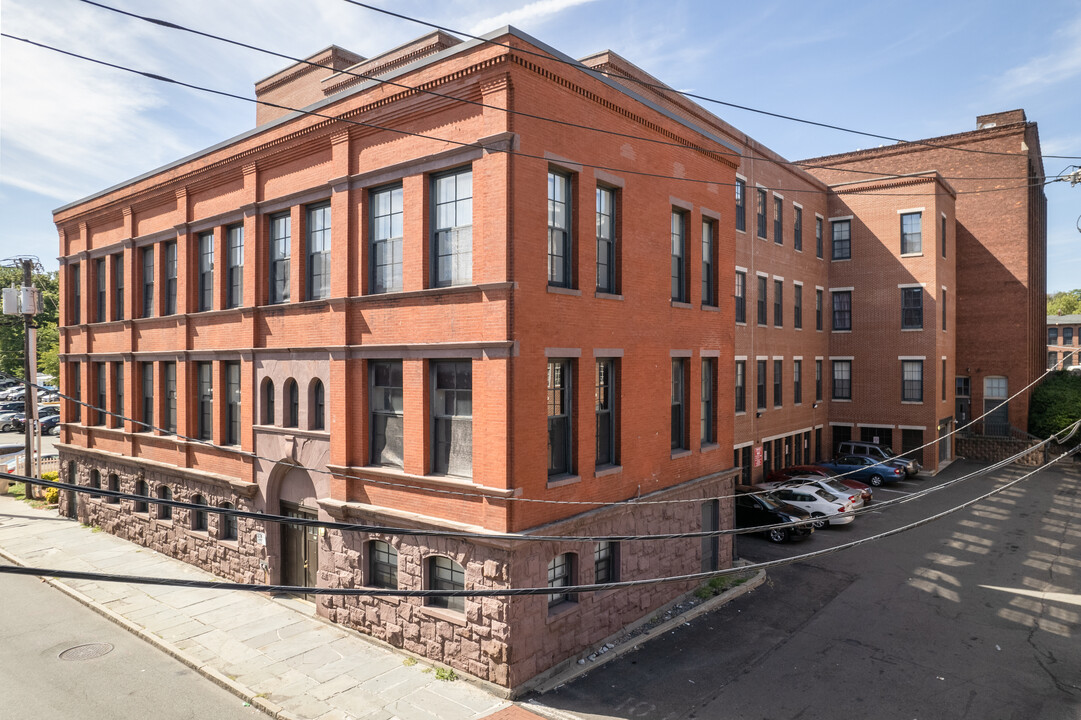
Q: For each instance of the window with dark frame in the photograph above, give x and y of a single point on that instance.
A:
(943, 239)
(165, 512)
(148, 281)
(604, 397)
(268, 401)
(778, 377)
(842, 239)
(75, 369)
(797, 308)
(818, 309)
(679, 404)
(842, 379)
(763, 299)
(1052, 336)
(842, 309)
(118, 286)
(761, 383)
(561, 573)
(169, 250)
(387, 231)
(559, 230)
(761, 213)
(148, 396)
(234, 267)
(452, 234)
(1052, 360)
(741, 386)
(797, 228)
(452, 417)
(818, 237)
(141, 489)
(797, 382)
(709, 263)
(228, 523)
(606, 241)
(778, 220)
(911, 233)
(318, 248)
(118, 394)
(606, 562)
(943, 375)
(912, 308)
(100, 307)
(169, 372)
(95, 483)
(944, 309)
(708, 429)
(317, 406)
(206, 271)
(741, 205)
(198, 517)
(912, 380)
(445, 574)
(679, 256)
(102, 395)
(711, 522)
(280, 253)
(560, 415)
(382, 565)
(114, 485)
(76, 294)
(232, 403)
(778, 303)
(204, 372)
(741, 296)
(292, 404)
(387, 413)
(818, 381)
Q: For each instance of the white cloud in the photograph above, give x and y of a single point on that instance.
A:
(1061, 64)
(531, 13)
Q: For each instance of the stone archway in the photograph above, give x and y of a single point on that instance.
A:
(293, 549)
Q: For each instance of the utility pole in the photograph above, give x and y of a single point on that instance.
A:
(31, 395)
(24, 301)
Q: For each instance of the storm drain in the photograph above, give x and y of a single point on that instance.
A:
(86, 652)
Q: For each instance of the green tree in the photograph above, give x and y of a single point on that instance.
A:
(11, 326)
(1056, 402)
(1064, 303)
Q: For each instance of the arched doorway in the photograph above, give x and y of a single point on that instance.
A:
(299, 544)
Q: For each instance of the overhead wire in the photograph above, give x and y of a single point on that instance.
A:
(460, 143)
(517, 592)
(666, 89)
(168, 24)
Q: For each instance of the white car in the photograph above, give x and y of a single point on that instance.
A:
(830, 509)
(831, 485)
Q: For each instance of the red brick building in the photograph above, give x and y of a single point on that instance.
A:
(421, 304)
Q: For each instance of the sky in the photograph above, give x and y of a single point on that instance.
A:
(908, 69)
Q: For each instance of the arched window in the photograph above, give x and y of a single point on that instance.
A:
(198, 517)
(292, 403)
(268, 401)
(140, 489)
(317, 406)
(445, 574)
(382, 565)
(227, 524)
(95, 482)
(165, 512)
(114, 485)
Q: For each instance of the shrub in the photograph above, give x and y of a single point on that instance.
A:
(1056, 402)
(52, 496)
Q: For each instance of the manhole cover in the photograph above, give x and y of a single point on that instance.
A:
(86, 652)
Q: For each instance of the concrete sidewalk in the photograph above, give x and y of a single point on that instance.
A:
(274, 653)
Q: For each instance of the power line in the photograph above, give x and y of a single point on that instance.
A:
(516, 592)
(460, 143)
(665, 89)
(477, 103)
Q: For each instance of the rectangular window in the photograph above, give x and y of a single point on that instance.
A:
(679, 404)
(679, 256)
(778, 220)
(761, 383)
(169, 372)
(1052, 360)
(605, 399)
(818, 309)
(842, 309)
(741, 297)
(118, 286)
(204, 411)
(778, 303)
(711, 520)
(148, 281)
(911, 233)
(842, 239)
(76, 295)
(709, 382)
(559, 230)
(606, 241)
(452, 418)
(778, 376)
(234, 267)
(606, 562)
(912, 380)
(762, 300)
(76, 390)
(1067, 333)
(943, 238)
(383, 565)
(709, 262)
(761, 213)
(842, 379)
(318, 251)
(741, 205)
(1052, 336)
(148, 396)
(797, 308)
(797, 382)
(818, 381)
(943, 375)
(206, 271)
(560, 415)
(452, 252)
(387, 413)
(944, 311)
(170, 278)
(912, 308)
(118, 394)
(99, 271)
(387, 207)
(232, 403)
(281, 230)
(561, 572)
(445, 574)
(100, 403)
(818, 237)
(741, 386)
(797, 228)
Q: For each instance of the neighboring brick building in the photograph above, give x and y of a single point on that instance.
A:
(402, 319)
(1063, 341)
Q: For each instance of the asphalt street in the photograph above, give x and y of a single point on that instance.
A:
(975, 615)
(132, 681)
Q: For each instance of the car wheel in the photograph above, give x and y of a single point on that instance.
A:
(7, 427)
(876, 480)
(821, 522)
(778, 535)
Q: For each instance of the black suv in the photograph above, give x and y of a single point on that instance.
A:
(758, 510)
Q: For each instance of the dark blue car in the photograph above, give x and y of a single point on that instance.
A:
(863, 469)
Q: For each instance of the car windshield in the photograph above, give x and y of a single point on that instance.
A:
(770, 502)
(827, 496)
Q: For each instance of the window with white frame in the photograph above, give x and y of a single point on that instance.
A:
(911, 233)
(842, 239)
(912, 380)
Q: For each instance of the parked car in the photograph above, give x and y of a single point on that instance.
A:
(758, 510)
(7, 420)
(779, 476)
(830, 509)
(19, 421)
(831, 484)
(50, 425)
(880, 453)
(864, 469)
